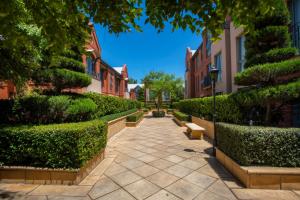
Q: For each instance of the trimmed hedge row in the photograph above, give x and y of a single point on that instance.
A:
(267, 73)
(260, 96)
(68, 63)
(135, 117)
(53, 146)
(107, 105)
(117, 115)
(260, 146)
(181, 116)
(227, 109)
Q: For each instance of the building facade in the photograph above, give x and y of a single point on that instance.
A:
(106, 80)
(197, 62)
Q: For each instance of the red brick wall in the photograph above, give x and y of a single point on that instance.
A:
(7, 89)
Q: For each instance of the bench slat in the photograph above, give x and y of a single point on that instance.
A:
(194, 127)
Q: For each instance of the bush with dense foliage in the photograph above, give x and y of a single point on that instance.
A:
(135, 117)
(67, 63)
(227, 109)
(181, 116)
(81, 109)
(117, 115)
(52, 146)
(271, 32)
(156, 113)
(267, 74)
(107, 105)
(260, 146)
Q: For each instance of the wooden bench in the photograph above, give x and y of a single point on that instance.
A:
(194, 131)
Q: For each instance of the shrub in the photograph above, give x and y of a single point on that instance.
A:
(117, 115)
(260, 146)
(32, 109)
(67, 63)
(135, 117)
(181, 116)
(277, 55)
(58, 106)
(52, 146)
(227, 109)
(81, 109)
(6, 107)
(267, 73)
(107, 105)
(158, 113)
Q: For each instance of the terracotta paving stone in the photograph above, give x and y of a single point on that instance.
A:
(147, 158)
(201, 180)
(142, 189)
(161, 164)
(178, 170)
(102, 187)
(162, 179)
(191, 164)
(184, 189)
(115, 169)
(154, 161)
(125, 178)
(145, 170)
(61, 190)
(163, 195)
(207, 195)
(265, 194)
(221, 189)
(118, 194)
(174, 158)
(67, 198)
(132, 163)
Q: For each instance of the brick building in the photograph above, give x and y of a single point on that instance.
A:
(197, 62)
(105, 79)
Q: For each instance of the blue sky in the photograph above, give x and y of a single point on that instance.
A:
(147, 50)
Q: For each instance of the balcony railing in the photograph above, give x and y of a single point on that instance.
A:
(206, 81)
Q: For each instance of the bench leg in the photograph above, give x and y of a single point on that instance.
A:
(196, 135)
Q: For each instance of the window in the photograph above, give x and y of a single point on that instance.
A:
(241, 52)
(208, 44)
(117, 85)
(111, 82)
(89, 62)
(218, 65)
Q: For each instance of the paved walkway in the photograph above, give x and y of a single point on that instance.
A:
(154, 161)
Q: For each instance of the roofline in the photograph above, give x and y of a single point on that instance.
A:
(107, 65)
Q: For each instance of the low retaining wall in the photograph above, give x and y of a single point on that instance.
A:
(134, 124)
(33, 175)
(262, 177)
(178, 122)
(208, 125)
(116, 125)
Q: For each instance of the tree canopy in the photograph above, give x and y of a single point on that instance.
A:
(31, 31)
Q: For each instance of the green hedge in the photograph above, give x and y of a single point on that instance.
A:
(135, 117)
(53, 146)
(227, 109)
(117, 115)
(267, 73)
(107, 105)
(181, 116)
(260, 96)
(260, 146)
(67, 63)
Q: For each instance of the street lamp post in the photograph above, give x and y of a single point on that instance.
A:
(214, 75)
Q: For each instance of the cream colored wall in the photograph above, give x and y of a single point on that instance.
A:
(235, 33)
(95, 86)
(217, 47)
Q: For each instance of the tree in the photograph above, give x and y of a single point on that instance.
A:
(132, 81)
(65, 22)
(160, 82)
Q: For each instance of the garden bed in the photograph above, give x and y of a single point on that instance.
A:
(51, 154)
(260, 157)
(134, 119)
(180, 118)
(283, 178)
(207, 125)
